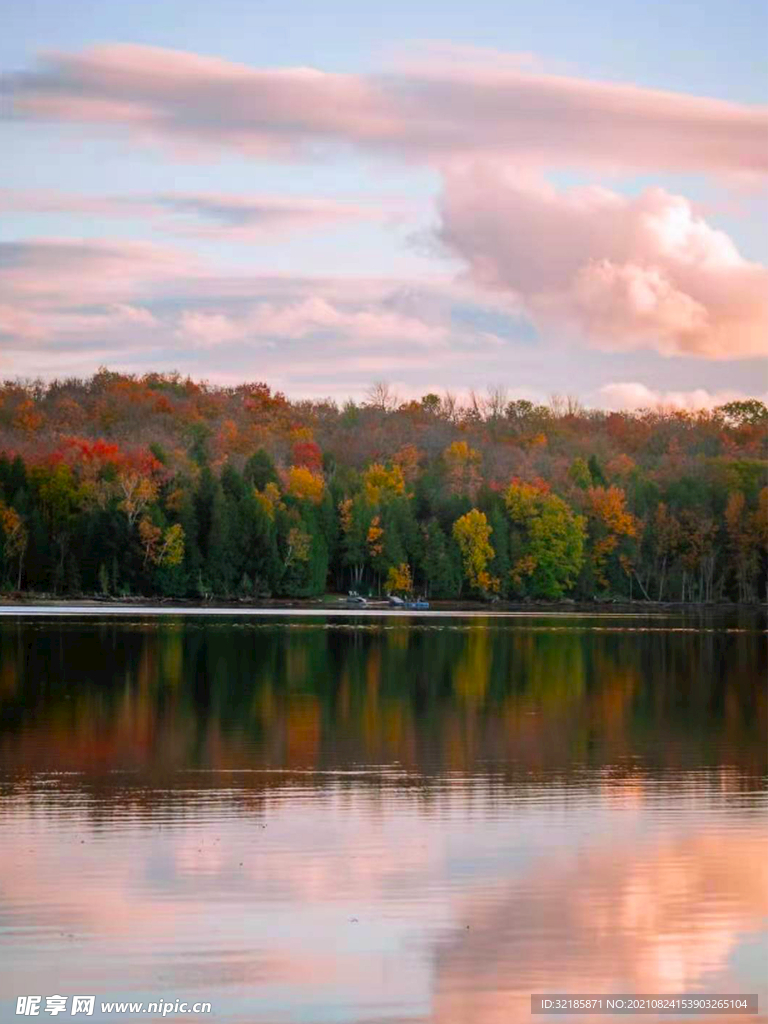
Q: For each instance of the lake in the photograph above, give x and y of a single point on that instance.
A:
(368, 818)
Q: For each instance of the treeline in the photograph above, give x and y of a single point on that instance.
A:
(156, 485)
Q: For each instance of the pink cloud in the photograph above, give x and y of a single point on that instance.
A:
(217, 215)
(59, 274)
(55, 201)
(89, 298)
(67, 306)
(311, 316)
(624, 273)
(432, 111)
(208, 329)
(250, 216)
(631, 395)
(24, 325)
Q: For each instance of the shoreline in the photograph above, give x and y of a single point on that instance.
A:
(46, 604)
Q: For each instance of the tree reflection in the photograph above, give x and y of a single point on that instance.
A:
(506, 699)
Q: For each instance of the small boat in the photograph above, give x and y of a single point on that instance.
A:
(354, 598)
(418, 604)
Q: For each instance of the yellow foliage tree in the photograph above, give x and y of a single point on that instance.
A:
(299, 545)
(305, 485)
(399, 579)
(161, 548)
(172, 550)
(472, 533)
(549, 540)
(269, 498)
(301, 434)
(522, 500)
(381, 484)
(345, 514)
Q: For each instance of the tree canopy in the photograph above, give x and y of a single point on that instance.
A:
(157, 485)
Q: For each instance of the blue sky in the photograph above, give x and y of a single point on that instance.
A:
(707, 47)
(422, 237)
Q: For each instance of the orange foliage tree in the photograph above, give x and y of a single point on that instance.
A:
(611, 523)
(15, 537)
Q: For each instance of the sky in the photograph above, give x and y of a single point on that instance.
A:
(549, 198)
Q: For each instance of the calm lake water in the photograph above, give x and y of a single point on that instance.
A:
(359, 819)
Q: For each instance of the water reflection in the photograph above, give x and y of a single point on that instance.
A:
(357, 822)
(479, 697)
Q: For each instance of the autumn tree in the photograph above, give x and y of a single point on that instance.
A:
(743, 541)
(161, 547)
(408, 459)
(382, 483)
(304, 484)
(612, 530)
(667, 536)
(696, 545)
(462, 465)
(547, 550)
(137, 492)
(306, 453)
(472, 533)
(377, 526)
(579, 475)
(14, 537)
(399, 579)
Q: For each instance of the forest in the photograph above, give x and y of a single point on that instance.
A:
(159, 486)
